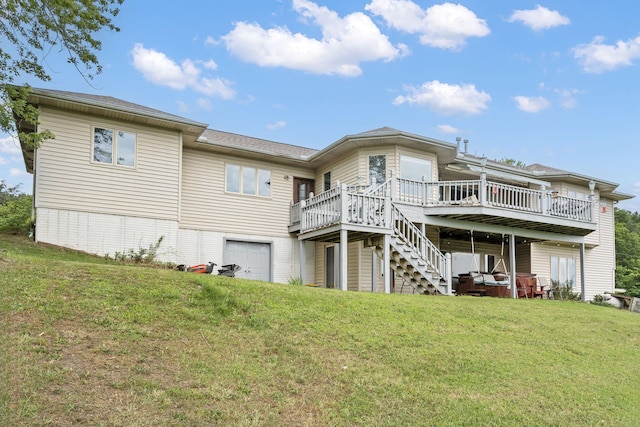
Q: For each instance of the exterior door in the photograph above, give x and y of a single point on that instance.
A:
(254, 259)
(302, 188)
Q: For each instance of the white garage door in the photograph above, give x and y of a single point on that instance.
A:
(253, 258)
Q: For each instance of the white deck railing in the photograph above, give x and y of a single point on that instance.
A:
(339, 205)
(415, 239)
(365, 206)
(492, 194)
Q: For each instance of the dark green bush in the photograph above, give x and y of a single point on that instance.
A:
(15, 215)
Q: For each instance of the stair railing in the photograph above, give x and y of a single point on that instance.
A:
(415, 239)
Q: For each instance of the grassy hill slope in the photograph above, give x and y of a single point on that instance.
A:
(85, 341)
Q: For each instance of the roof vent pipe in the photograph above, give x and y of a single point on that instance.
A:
(458, 142)
(466, 145)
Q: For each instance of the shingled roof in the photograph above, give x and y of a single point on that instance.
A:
(110, 103)
(248, 143)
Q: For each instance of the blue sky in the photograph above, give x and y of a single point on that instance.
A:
(551, 82)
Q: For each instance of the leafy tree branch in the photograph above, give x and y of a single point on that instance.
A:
(29, 31)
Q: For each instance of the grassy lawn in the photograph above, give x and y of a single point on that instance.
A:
(85, 341)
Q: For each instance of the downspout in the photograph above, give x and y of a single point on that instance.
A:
(583, 283)
(32, 223)
(512, 265)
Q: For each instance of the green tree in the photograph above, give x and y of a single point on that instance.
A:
(513, 162)
(627, 229)
(7, 193)
(15, 209)
(29, 31)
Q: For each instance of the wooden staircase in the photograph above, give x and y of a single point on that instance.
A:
(414, 257)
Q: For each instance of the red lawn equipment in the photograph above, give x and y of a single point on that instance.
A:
(228, 270)
(199, 268)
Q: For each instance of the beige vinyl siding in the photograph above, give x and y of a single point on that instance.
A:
(366, 270)
(523, 258)
(600, 260)
(68, 179)
(344, 171)
(605, 230)
(206, 205)
(541, 254)
(354, 266)
(319, 264)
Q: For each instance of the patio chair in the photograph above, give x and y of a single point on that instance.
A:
(522, 287)
(541, 283)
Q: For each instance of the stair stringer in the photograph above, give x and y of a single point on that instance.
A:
(412, 267)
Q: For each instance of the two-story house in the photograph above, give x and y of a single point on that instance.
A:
(382, 211)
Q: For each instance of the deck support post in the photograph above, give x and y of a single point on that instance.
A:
(303, 258)
(482, 193)
(386, 263)
(512, 265)
(374, 272)
(583, 282)
(344, 259)
(448, 268)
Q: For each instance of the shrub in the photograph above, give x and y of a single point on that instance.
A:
(296, 281)
(564, 291)
(15, 215)
(141, 256)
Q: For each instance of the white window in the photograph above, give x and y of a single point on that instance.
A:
(563, 271)
(377, 169)
(415, 169)
(248, 180)
(577, 195)
(326, 181)
(114, 147)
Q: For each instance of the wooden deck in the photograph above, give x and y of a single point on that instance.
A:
(480, 201)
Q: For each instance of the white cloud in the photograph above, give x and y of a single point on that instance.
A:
(210, 40)
(183, 107)
(448, 129)
(540, 18)
(345, 43)
(445, 98)
(204, 103)
(3, 161)
(15, 172)
(445, 26)
(161, 70)
(531, 104)
(597, 57)
(277, 125)
(210, 65)
(567, 98)
(9, 145)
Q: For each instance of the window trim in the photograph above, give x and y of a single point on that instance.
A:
(384, 156)
(326, 181)
(257, 187)
(568, 264)
(114, 147)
